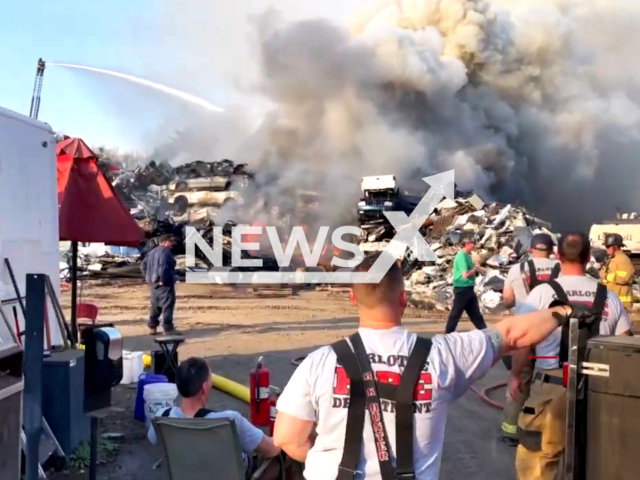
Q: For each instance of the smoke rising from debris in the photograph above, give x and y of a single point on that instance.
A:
(531, 101)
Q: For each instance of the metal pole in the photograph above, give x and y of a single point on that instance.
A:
(74, 290)
(33, 350)
(64, 327)
(572, 398)
(93, 449)
(14, 282)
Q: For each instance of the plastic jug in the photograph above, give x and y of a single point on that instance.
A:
(137, 366)
(144, 380)
(157, 398)
(132, 367)
(127, 377)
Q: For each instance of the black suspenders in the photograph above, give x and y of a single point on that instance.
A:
(363, 395)
(597, 307)
(202, 413)
(356, 411)
(533, 274)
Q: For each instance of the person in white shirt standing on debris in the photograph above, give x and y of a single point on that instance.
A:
(521, 279)
(406, 383)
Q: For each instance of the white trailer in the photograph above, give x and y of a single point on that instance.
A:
(28, 212)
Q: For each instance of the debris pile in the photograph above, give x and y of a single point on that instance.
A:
(502, 233)
(192, 192)
(164, 200)
(100, 260)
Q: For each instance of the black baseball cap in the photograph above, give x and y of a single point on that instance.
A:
(542, 242)
(168, 238)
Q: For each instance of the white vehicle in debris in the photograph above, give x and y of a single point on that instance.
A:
(200, 175)
(184, 201)
(217, 182)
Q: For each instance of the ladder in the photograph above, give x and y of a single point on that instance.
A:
(48, 446)
(48, 442)
(37, 90)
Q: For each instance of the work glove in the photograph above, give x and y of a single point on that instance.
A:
(583, 313)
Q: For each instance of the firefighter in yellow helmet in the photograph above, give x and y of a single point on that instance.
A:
(617, 272)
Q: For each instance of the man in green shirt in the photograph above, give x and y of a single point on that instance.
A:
(465, 300)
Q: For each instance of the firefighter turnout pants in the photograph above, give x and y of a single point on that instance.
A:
(513, 408)
(541, 428)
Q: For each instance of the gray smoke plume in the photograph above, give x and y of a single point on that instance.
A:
(535, 102)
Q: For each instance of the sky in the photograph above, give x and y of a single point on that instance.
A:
(113, 34)
(132, 37)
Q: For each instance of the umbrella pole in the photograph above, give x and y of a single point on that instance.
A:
(74, 290)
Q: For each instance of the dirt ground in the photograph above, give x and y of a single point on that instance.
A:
(231, 328)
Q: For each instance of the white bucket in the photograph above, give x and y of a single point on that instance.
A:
(157, 398)
(132, 367)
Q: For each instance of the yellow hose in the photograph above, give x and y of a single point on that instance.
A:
(230, 387)
(223, 384)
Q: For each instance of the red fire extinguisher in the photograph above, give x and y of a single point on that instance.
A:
(260, 404)
(273, 400)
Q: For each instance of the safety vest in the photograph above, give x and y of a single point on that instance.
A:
(533, 276)
(363, 395)
(588, 331)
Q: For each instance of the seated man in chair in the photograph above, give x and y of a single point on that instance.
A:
(193, 379)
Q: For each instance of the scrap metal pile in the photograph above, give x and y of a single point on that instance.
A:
(165, 200)
(502, 232)
(191, 192)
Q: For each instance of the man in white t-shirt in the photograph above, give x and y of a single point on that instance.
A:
(521, 279)
(542, 420)
(319, 393)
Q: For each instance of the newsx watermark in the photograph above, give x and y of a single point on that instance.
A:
(407, 236)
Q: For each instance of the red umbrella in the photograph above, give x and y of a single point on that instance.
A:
(88, 208)
(75, 148)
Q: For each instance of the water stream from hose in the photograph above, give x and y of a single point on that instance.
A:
(141, 81)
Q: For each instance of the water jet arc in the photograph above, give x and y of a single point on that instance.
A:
(141, 81)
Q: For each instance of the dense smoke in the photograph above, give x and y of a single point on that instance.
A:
(535, 102)
(201, 135)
